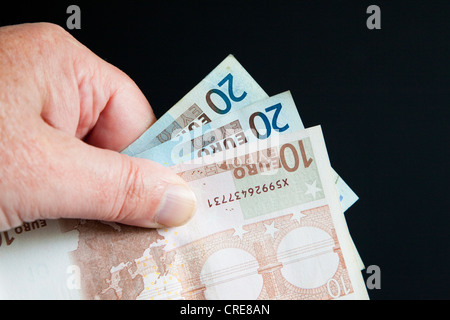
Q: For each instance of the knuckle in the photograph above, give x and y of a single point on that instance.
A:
(131, 192)
(48, 28)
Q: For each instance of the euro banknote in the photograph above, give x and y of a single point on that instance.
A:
(227, 88)
(261, 120)
(268, 226)
(347, 196)
(255, 195)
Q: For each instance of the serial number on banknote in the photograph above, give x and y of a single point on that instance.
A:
(250, 192)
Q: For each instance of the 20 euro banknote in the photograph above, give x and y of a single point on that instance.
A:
(227, 88)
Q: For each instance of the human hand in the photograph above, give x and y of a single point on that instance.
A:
(64, 115)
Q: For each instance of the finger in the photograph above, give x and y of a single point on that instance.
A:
(75, 90)
(93, 183)
(90, 97)
(125, 113)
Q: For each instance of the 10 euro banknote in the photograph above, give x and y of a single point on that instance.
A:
(276, 234)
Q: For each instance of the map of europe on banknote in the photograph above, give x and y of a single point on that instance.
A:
(271, 228)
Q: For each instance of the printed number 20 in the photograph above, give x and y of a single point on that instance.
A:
(277, 107)
(223, 96)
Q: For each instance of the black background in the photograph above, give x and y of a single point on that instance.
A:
(381, 96)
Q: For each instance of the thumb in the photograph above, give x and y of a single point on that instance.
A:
(93, 183)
